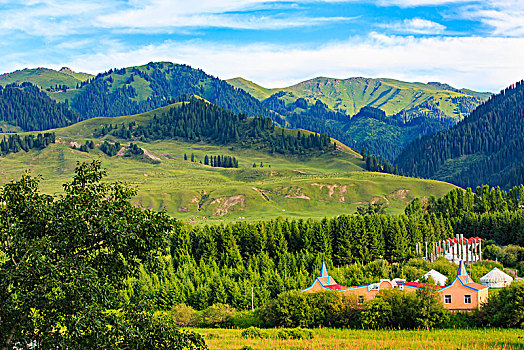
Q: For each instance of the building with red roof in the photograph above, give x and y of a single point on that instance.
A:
(461, 295)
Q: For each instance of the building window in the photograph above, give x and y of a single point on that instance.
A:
(467, 299)
(447, 299)
(360, 299)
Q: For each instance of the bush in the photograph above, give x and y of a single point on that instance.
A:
(506, 308)
(245, 319)
(183, 315)
(294, 309)
(295, 333)
(217, 315)
(254, 333)
(376, 314)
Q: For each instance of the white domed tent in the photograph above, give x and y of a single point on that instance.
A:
(496, 279)
(439, 278)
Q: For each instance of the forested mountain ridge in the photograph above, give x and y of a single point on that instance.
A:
(197, 120)
(26, 108)
(141, 89)
(319, 105)
(485, 148)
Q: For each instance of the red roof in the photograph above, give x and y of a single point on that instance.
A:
(471, 239)
(419, 285)
(336, 286)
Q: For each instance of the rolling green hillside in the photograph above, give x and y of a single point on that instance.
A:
(287, 185)
(348, 96)
(45, 78)
(253, 89)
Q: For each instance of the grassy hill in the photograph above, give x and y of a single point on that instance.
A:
(45, 78)
(392, 96)
(293, 186)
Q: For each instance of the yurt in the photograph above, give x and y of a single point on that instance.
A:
(439, 278)
(496, 279)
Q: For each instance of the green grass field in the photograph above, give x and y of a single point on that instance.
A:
(369, 339)
(317, 186)
(285, 186)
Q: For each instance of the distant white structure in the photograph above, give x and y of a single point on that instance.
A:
(496, 279)
(454, 249)
(439, 278)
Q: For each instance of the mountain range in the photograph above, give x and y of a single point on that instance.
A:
(322, 105)
(429, 130)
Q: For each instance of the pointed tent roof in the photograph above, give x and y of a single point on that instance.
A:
(325, 280)
(323, 270)
(496, 275)
(464, 279)
(462, 273)
(324, 276)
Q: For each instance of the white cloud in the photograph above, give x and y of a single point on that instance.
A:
(505, 17)
(416, 3)
(415, 26)
(471, 62)
(236, 14)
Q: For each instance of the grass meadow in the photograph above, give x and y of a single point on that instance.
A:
(287, 186)
(326, 338)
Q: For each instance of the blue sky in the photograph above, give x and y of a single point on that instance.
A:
(473, 44)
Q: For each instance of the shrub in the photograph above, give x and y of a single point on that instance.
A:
(183, 315)
(217, 315)
(254, 333)
(376, 314)
(295, 333)
(245, 319)
(506, 308)
(294, 309)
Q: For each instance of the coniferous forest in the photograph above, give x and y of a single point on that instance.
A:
(27, 107)
(220, 263)
(485, 148)
(13, 143)
(198, 120)
(102, 96)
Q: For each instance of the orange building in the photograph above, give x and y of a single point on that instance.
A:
(362, 293)
(461, 295)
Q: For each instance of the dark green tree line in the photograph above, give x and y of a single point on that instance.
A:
(488, 143)
(29, 108)
(13, 143)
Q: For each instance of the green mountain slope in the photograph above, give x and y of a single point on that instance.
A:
(45, 78)
(485, 148)
(348, 96)
(326, 184)
(410, 110)
(250, 87)
(143, 88)
(27, 108)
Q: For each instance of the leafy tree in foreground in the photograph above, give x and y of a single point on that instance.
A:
(64, 260)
